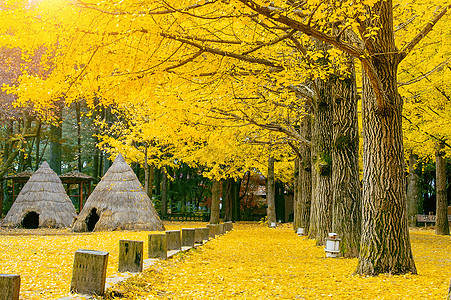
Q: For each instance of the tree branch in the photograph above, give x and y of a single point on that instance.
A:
(265, 11)
(150, 12)
(246, 58)
(402, 54)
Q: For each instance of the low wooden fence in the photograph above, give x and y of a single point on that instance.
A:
(201, 217)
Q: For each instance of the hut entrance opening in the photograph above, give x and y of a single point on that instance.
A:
(92, 219)
(31, 220)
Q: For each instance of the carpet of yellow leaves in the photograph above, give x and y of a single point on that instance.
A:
(44, 257)
(255, 262)
(251, 262)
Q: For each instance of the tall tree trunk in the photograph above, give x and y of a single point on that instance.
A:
(346, 192)
(150, 178)
(321, 207)
(305, 176)
(38, 146)
(146, 171)
(385, 244)
(280, 201)
(78, 120)
(270, 193)
(21, 166)
(227, 198)
(296, 195)
(441, 221)
(215, 201)
(56, 132)
(236, 199)
(158, 181)
(414, 195)
(164, 192)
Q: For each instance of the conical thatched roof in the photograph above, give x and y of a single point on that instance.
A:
(44, 196)
(118, 202)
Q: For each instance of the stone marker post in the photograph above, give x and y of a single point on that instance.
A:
(173, 239)
(131, 256)
(9, 286)
(205, 233)
(188, 237)
(198, 235)
(213, 230)
(158, 246)
(229, 225)
(89, 272)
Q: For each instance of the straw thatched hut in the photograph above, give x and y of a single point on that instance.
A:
(118, 203)
(42, 202)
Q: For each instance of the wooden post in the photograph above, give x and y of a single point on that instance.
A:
(205, 233)
(449, 291)
(199, 235)
(9, 286)
(130, 256)
(213, 230)
(173, 239)
(89, 272)
(188, 237)
(222, 228)
(158, 246)
(229, 226)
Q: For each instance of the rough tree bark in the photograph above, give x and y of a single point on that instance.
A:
(296, 195)
(385, 245)
(215, 200)
(441, 221)
(280, 201)
(346, 192)
(414, 197)
(305, 176)
(164, 192)
(56, 131)
(227, 198)
(321, 157)
(270, 192)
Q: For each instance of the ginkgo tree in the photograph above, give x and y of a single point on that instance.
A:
(165, 50)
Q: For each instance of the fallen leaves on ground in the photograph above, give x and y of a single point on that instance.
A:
(255, 262)
(44, 257)
(251, 262)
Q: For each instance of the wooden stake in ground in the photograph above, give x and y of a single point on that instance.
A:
(158, 246)
(173, 239)
(130, 256)
(89, 272)
(9, 286)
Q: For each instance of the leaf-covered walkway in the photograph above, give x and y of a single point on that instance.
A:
(255, 262)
